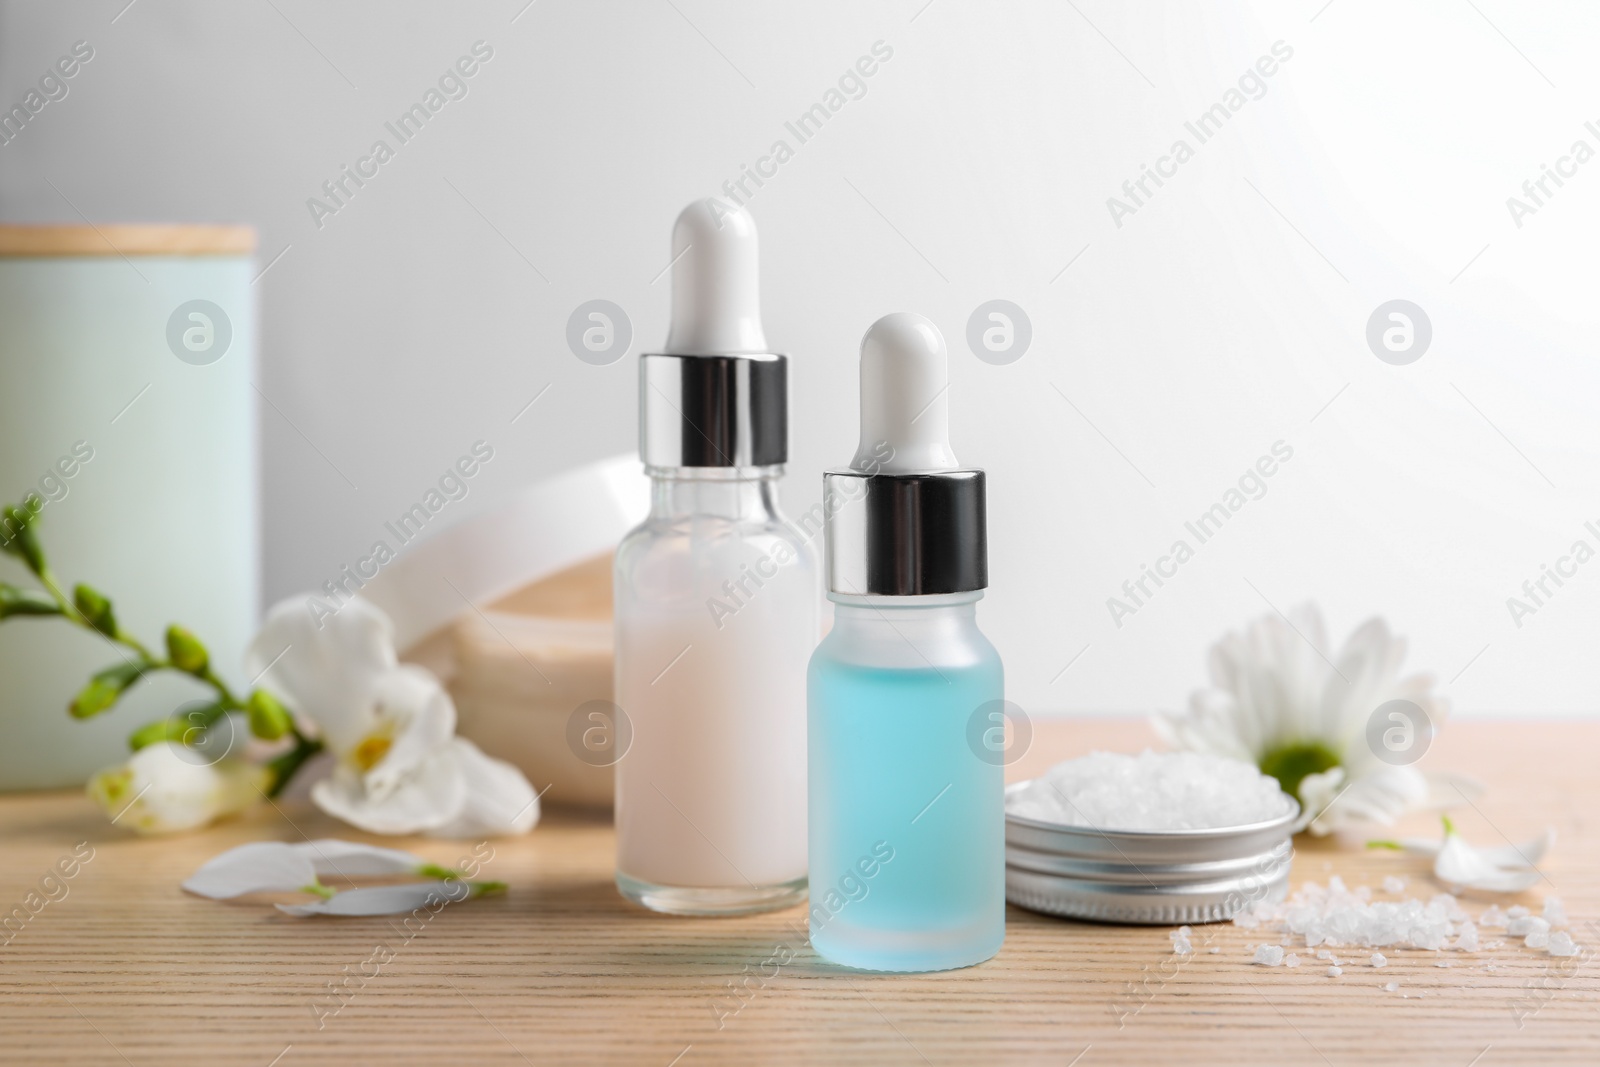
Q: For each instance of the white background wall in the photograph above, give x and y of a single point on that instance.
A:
(1228, 313)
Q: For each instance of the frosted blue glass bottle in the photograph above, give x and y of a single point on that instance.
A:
(907, 851)
(906, 820)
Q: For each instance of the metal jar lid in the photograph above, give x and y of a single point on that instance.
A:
(905, 534)
(713, 411)
(1149, 877)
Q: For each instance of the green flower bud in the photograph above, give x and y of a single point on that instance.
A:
(17, 536)
(106, 688)
(154, 732)
(188, 729)
(14, 601)
(269, 720)
(92, 605)
(185, 651)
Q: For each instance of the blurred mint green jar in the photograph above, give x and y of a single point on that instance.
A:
(126, 360)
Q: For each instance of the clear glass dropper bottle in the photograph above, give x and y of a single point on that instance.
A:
(715, 603)
(907, 854)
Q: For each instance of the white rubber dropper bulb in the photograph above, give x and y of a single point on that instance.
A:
(716, 295)
(905, 379)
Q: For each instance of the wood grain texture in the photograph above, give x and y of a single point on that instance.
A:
(126, 968)
(126, 239)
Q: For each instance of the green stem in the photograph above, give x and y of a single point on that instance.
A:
(211, 679)
(284, 767)
(47, 578)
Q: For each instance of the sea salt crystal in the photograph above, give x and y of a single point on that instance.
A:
(1337, 916)
(1527, 924)
(1213, 950)
(1270, 955)
(1392, 884)
(1554, 913)
(1151, 791)
(1390, 987)
(1561, 944)
(1181, 946)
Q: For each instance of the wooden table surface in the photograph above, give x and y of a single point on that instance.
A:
(125, 968)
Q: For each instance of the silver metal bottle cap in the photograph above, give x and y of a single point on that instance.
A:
(905, 534)
(713, 411)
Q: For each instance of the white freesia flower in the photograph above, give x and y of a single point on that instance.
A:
(1502, 869)
(1283, 699)
(278, 867)
(401, 769)
(165, 787)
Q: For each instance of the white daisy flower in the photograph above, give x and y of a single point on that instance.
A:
(1283, 699)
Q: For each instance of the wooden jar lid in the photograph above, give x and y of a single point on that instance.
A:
(126, 239)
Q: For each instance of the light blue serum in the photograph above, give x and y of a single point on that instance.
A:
(906, 800)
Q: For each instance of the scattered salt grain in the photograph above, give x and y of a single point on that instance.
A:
(1270, 955)
(1378, 960)
(1537, 939)
(1336, 916)
(1151, 791)
(1390, 987)
(1335, 971)
(1213, 950)
(1493, 918)
(1324, 954)
(1449, 905)
(1561, 944)
(1392, 884)
(1517, 911)
(1554, 913)
(1468, 939)
(1527, 924)
(1291, 960)
(1442, 963)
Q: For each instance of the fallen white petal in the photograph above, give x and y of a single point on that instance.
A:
(383, 900)
(259, 867)
(1525, 854)
(1459, 864)
(352, 859)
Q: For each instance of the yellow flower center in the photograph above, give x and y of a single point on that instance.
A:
(370, 752)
